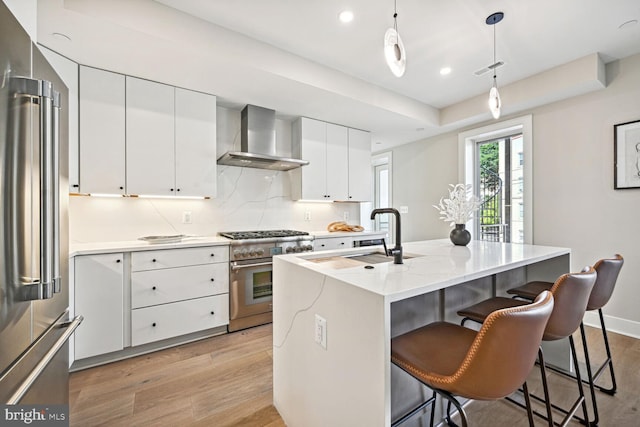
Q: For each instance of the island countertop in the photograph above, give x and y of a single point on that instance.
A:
(334, 319)
(433, 265)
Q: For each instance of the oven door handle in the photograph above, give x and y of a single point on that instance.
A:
(259, 264)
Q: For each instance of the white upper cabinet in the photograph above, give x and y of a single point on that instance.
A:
(68, 72)
(171, 140)
(329, 174)
(360, 173)
(150, 138)
(337, 174)
(310, 144)
(324, 145)
(102, 131)
(195, 116)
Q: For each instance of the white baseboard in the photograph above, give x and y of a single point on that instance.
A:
(614, 324)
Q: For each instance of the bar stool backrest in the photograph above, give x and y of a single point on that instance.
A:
(503, 352)
(608, 270)
(571, 293)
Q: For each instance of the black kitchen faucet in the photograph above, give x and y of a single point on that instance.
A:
(397, 249)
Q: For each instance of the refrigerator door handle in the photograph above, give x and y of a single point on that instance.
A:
(55, 203)
(42, 94)
(42, 364)
(46, 191)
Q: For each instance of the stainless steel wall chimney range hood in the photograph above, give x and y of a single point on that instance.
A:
(258, 143)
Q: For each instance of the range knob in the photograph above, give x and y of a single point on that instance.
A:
(308, 248)
(298, 249)
(260, 252)
(252, 253)
(236, 253)
(289, 250)
(244, 253)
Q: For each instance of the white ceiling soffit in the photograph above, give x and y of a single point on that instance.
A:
(296, 58)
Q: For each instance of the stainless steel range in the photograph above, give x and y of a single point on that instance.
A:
(250, 272)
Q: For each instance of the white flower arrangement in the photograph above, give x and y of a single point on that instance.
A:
(460, 205)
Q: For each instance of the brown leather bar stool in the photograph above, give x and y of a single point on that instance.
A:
(487, 365)
(608, 270)
(571, 293)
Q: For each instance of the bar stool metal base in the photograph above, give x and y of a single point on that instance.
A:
(570, 413)
(431, 401)
(451, 400)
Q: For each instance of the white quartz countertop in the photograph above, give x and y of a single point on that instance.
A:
(189, 241)
(139, 245)
(436, 264)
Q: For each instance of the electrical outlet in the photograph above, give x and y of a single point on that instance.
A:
(345, 216)
(404, 209)
(186, 217)
(320, 331)
(307, 215)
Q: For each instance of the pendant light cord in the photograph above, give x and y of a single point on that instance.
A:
(395, 15)
(494, 50)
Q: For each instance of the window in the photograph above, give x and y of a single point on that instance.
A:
(506, 147)
(381, 164)
(498, 171)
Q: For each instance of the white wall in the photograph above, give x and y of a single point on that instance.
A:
(247, 199)
(26, 12)
(574, 202)
(422, 172)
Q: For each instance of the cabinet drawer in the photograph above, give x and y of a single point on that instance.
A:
(179, 318)
(332, 243)
(154, 287)
(167, 258)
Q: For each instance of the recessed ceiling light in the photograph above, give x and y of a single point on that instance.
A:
(61, 37)
(445, 71)
(346, 16)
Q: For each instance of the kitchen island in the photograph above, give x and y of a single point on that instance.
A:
(334, 317)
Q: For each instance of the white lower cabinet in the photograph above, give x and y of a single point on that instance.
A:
(99, 297)
(330, 243)
(169, 320)
(178, 291)
(145, 296)
(174, 284)
(168, 258)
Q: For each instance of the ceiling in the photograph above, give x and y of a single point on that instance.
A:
(299, 59)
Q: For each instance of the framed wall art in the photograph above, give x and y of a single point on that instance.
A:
(626, 155)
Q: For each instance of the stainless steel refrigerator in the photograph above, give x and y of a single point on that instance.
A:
(34, 285)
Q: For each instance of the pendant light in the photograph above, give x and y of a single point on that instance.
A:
(394, 48)
(495, 104)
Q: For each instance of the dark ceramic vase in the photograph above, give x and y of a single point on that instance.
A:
(460, 235)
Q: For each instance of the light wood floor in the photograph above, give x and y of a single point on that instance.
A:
(227, 381)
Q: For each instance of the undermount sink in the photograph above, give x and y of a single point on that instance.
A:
(356, 260)
(374, 257)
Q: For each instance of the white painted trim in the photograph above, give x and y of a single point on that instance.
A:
(466, 142)
(618, 325)
(382, 158)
